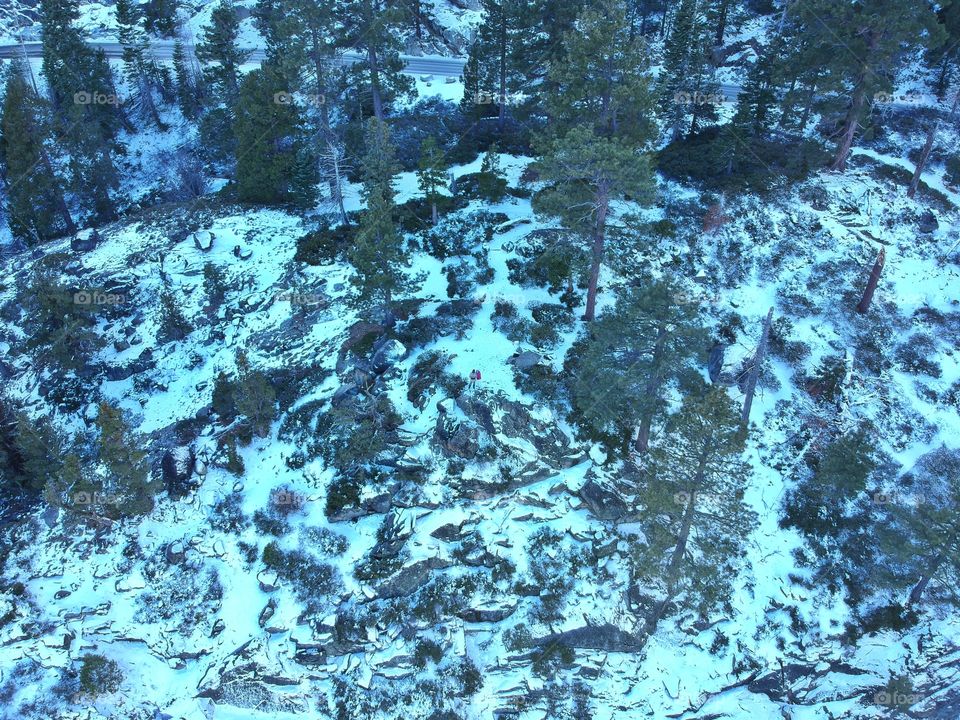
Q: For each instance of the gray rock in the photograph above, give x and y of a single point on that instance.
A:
(479, 615)
(602, 502)
(267, 612)
(928, 223)
(448, 532)
(526, 360)
(410, 579)
(388, 353)
(606, 637)
(176, 468)
(85, 240)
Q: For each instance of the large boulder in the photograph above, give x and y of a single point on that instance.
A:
(606, 637)
(410, 579)
(85, 240)
(604, 503)
(387, 354)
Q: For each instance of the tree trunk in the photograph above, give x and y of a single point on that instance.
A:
(808, 106)
(336, 182)
(924, 156)
(501, 119)
(721, 22)
(917, 593)
(642, 443)
(433, 213)
(755, 371)
(375, 83)
(856, 108)
(686, 524)
(867, 298)
(603, 204)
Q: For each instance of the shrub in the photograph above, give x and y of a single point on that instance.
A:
(427, 650)
(174, 326)
(343, 492)
(99, 675)
(326, 245)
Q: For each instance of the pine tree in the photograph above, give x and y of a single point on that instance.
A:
(500, 62)
(36, 209)
(218, 47)
(431, 174)
(160, 17)
(269, 141)
(633, 354)
(874, 40)
(491, 183)
(919, 531)
(692, 499)
(142, 72)
(688, 90)
(128, 487)
(753, 116)
(377, 251)
(594, 148)
(372, 28)
(187, 88)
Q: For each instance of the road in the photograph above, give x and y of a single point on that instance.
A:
(163, 50)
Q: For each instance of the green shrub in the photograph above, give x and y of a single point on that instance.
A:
(99, 675)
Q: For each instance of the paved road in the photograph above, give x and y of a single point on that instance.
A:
(163, 50)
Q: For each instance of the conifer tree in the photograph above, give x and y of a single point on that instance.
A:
(141, 71)
(36, 209)
(270, 153)
(594, 148)
(377, 251)
(868, 43)
(632, 355)
(372, 27)
(218, 47)
(688, 90)
(692, 499)
(160, 17)
(491, 183)
(188, 91)
(431, 174)
(128, 487)
(500, 62)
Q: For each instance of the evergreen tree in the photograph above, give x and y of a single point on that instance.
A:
(270, 148)
(946, 57)
(500, 63)
(632, 355)
(919, 530)
(142, 72)
(188, 91)
(160, 17)
(218, 47)
(688, 90)
(127, 486)
(432, 174)
(372, 27)
(491, 183)
(86, 104)
(759, 93)
(377, 251)
(36, 209)
(868, 42)
(692, 500)
(593, 152)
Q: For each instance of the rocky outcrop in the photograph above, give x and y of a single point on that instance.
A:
(606, 637)
(410, 579)
(603, 502)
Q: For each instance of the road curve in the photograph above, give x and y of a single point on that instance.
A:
(163, 50)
